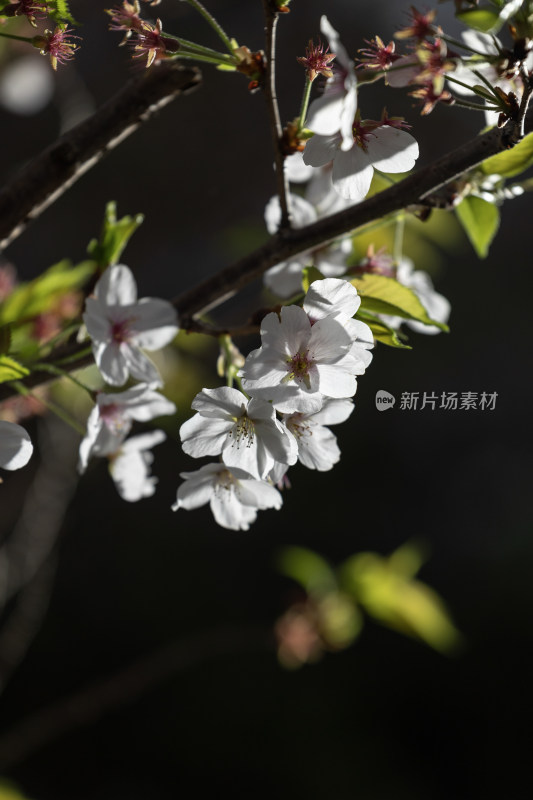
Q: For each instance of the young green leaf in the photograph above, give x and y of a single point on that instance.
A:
(114, 237)
(510, 162)
(381, 295)
(11, 370)
(381, 331)
(38, 296)
(308, 569)
(481, 19)
(60, 12)
(480, 220)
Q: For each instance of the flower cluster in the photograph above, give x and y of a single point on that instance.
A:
(119, 326)
(300, 380)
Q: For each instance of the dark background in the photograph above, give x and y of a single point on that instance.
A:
(389, 717)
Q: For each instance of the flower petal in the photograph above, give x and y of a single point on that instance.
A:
(15, 446)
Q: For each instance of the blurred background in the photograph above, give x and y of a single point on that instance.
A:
(159, 624)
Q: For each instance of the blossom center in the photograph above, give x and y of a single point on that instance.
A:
(111, 416)
(298, 367)
(243, 431)
(120, 331)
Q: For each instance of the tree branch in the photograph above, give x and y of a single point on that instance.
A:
(269, 88)
(54, 171)
(413, 190)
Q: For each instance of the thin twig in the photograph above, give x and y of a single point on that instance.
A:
(51, 173)
(269, 88)
(412, 191)
(125, 686)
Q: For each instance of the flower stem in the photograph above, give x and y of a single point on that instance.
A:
(18, 38)
(193, 56)
(61, 373)
(481, 93)
(214, 24)
(304, 105)
(399, 228)
(55, 409)
(474, 106)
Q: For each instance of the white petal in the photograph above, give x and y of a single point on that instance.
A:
(196, 491)
(318, 449)
(335, 382)
(15, 446)
(155, 323)
(259, 494)
(325, 116)
(296, 170)
(392, 150)
(230, 513)
(112, 363)
(329, 340)
(116, 286)
(352, 174)
(140, 366)
(204, 437)
(336, 45)
(320, 150)
(285, 279)
(222, 403)
(130, 473)
(144, 441)
(331, 297)
(334, 412)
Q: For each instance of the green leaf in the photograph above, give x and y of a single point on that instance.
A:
(114, 237)
(308, 569)
(481, 19)
(510, 162)
(5, 339)
(480, 220)
(381, 331)
(60, 12)
(11, 370)
(309, 276)
(381, 295)
(38, 296)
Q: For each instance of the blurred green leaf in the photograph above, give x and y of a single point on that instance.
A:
(308, 569)
(510, 162)
(481, 19)
(309, 276)
(29, 299)
(386, 590)
(11, 370)
(382, 295)
(341, 621)
(114, 237)
(480, 220)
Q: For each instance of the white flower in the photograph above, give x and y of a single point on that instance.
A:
(299, 363)
(234, 496)
(295, 169)
(374, 146)
(15, 446)
(130, 466)
(317, 445)
(111, 419)
(436, 305)
(338, 299)
(246, 433)
(285, 279)
(119, 325)
(334, 111)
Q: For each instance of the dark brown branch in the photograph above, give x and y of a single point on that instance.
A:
(269, 88)
(413, 190)
(50, 174)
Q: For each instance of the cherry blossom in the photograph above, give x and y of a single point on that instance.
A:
(15, 446)
(317, 445)
(111, 419)
(374, 146)
(234, 495)
(334, 111)
(119, 325)
(130, 466)
(246, 433)
(299, 364)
